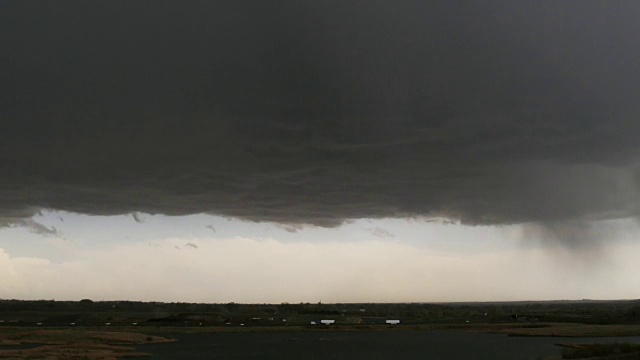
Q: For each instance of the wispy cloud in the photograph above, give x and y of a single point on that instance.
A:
(137, 217)
(291, 228)
(32, 225)
(379, 232)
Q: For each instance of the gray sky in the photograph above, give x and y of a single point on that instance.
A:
(391, 260)
(317, 113)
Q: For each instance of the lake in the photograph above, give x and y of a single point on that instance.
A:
(438, 345)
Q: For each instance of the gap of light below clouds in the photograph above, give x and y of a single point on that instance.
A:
(268, 271)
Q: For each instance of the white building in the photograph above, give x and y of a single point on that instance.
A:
(392, 322)
(327, 322)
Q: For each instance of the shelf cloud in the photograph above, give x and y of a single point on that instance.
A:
(320, 112)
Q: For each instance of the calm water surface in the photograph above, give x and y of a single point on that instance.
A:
(444, 345)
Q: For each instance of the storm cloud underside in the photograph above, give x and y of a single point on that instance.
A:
(319, 112)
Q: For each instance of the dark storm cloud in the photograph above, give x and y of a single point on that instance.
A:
(317, 112)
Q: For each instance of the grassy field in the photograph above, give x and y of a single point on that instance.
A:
(600, 351)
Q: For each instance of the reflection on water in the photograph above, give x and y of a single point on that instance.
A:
(443, 345)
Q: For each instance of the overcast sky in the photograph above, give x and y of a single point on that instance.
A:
(296, 150)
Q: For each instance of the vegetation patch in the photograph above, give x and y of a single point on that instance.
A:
(76, 344)
(571, 330)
